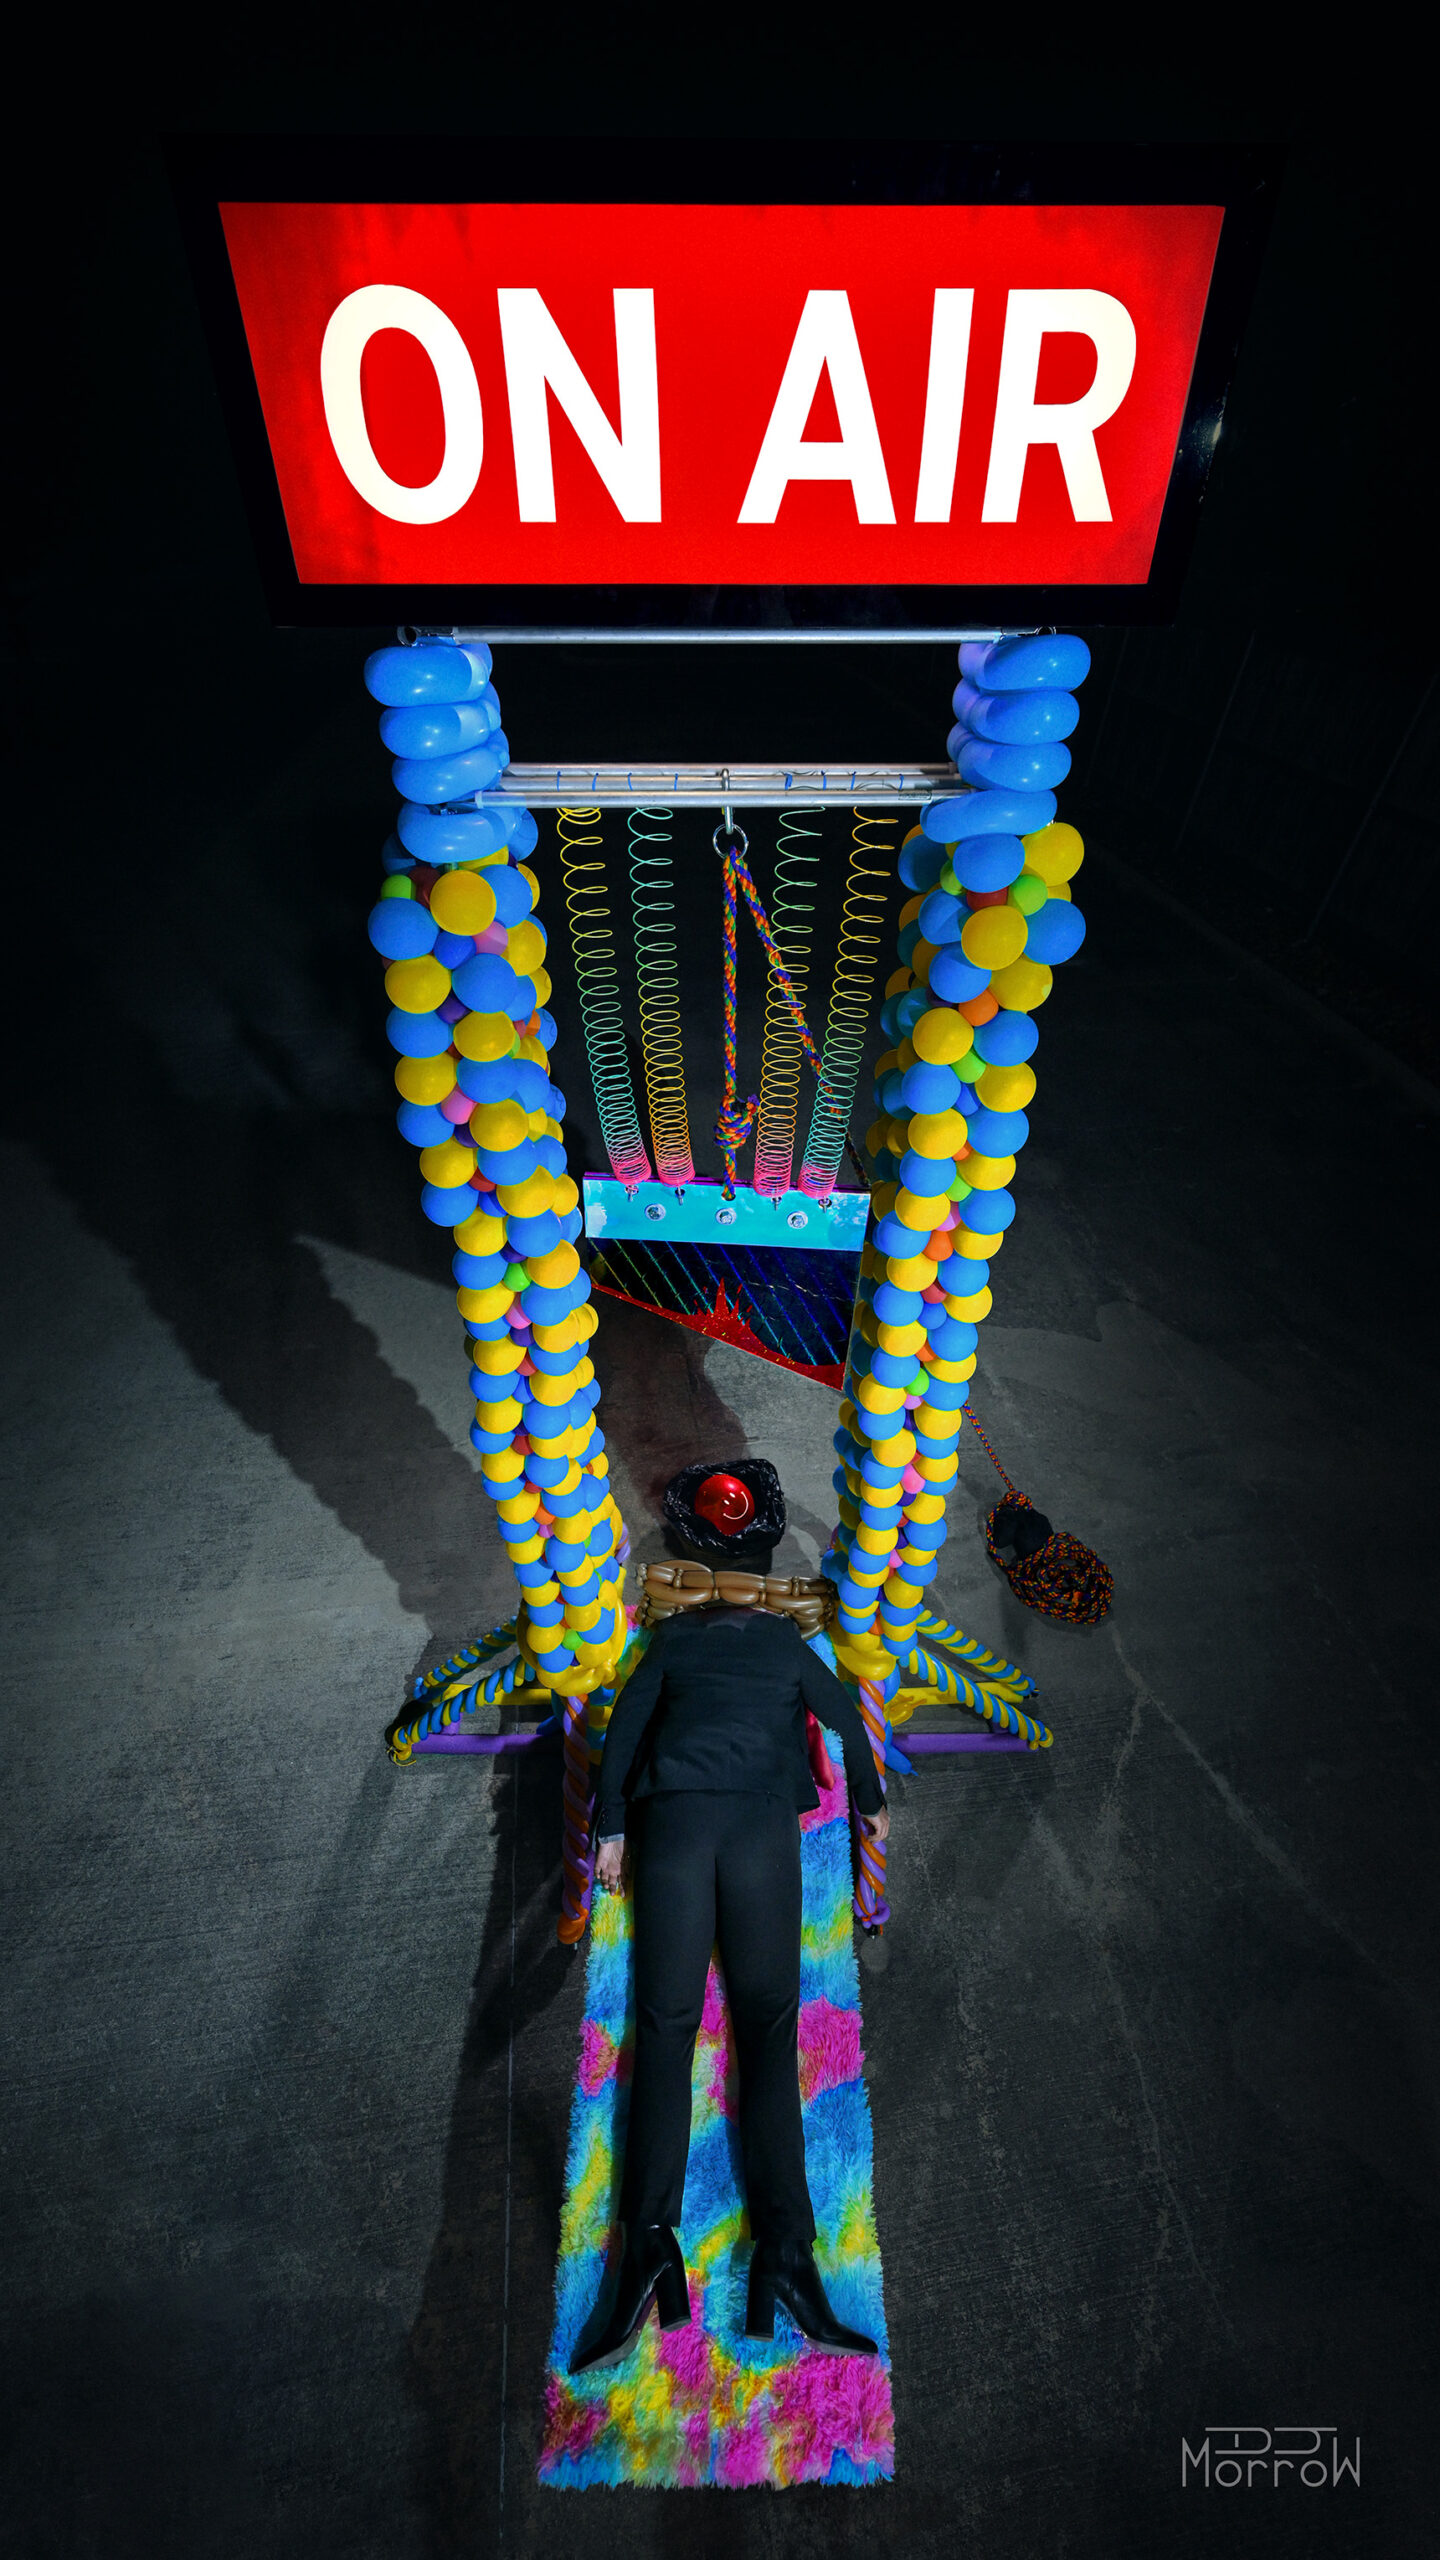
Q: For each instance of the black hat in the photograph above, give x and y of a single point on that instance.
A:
(747, 1548)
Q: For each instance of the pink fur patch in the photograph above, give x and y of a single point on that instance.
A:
(830, 1808)
(712, 2016)
(744, 2457)
(598, 2053)
(686, 2352)
(829, 2047)
(834, 2400)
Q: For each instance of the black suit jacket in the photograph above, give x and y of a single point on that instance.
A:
(717, 1705)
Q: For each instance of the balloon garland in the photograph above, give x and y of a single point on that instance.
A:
(468, 987)
(990, 918)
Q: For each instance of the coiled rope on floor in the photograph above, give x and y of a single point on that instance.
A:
(1059, 1577)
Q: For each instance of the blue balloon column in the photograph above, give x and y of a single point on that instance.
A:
(455, 921)
(990, 916)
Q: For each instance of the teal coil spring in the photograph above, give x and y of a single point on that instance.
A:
(597, 982)
(657, 972)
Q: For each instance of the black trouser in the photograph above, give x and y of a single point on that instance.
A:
(708, 1870)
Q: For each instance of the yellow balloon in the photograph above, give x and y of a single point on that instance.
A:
(482, 1232)
(867, 1571)
(500, 1125)
(448, 1164)
(1023, 986)
(989, 1173)
(502, 1466)
(1056, 852)
(1006, 1088)
(974, 1310)
(529, 1198)
(463, 902)
(976, 1248)
(942, 1036)
(546, 1388)
(416, 986)
(425, 1079)
(923, 1212)
(937, 1133)
(536, 1124)
(907, 915)
(528, 875)
(469, 1304)
(911, 1271)
(901, 1338)
(525, 946)
(490, 1303)
(994, 936)
(543, 988)
(553, 1269)
(897, 1451)
(920, 959)
(879, 1399)
(484, 1035)
(874, 1542)
(567, 1197)
(499, 1417)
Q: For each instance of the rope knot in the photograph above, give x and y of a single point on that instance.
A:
(1050, 1571)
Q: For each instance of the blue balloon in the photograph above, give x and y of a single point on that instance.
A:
(968, 1100)
(954, 979)
(909, 1008)
(1008, 1039)
(998, 1133)
(478, 1271)
(442, 728)
(1011, 666)
(524, 835)
(898, 1243)
(394, 857)
(918, 866)
(1016, 719)
(988, 862)
(963, 1279)
(495, 1329)
(545, 1030)
(487, 984)
(446, 1206)
(942, 918)
(546, 1471)
(877, 1471)
(892, 1368)
(927, 1177)
(489, 1443)
(507, 1165)
(952, 1338)
(908, 937)
(1056, 932)
(424, 1124)
(547, 1306)
(530, 1085)
(450, 948)
(435, 671)
(891, 1091)
(993, 766)
(417, 1035)
(927, 1087)
(987, 1213)
(988, 813)
(897, 1306)
(431, 780)
(488, 1079)
(488, 1389)
(946, 1395)
(550, 1152)
(532, 1236)
(514, 897)
(402, 929)
(447, 836)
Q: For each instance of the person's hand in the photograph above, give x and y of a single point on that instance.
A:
(877, 1825)
(610, 1866)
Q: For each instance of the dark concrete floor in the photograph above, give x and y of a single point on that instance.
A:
(289, 2041)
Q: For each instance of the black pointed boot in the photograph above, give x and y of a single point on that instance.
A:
(786, 2272)
(651, 2270)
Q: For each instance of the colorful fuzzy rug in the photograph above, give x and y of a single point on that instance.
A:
(705, 2405)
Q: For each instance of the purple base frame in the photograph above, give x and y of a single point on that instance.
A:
(910, 1743)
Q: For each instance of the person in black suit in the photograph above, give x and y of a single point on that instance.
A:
(703, 1778)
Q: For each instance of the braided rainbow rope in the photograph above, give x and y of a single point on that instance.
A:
(851, 987)
(792, 910)
(733, 1123)
(870, 1906)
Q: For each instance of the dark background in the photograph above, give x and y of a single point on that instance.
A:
(1179, 2168)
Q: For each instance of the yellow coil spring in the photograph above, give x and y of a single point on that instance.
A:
(651, 885)
(597, 982)
(867, 888)
(792, 909)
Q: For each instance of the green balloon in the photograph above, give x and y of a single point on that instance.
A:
(1029, 893)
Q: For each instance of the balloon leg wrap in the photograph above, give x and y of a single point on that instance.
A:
(870, 1906)
(575, 1896)
(455, 922)
(990, 918)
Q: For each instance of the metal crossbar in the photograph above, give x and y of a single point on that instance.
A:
(714, 786)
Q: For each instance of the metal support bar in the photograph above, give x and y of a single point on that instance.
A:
(715, 786)
(565, 635)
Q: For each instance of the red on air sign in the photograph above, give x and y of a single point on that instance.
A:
(707, 399)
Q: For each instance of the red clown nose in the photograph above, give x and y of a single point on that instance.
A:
(726, 1503)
